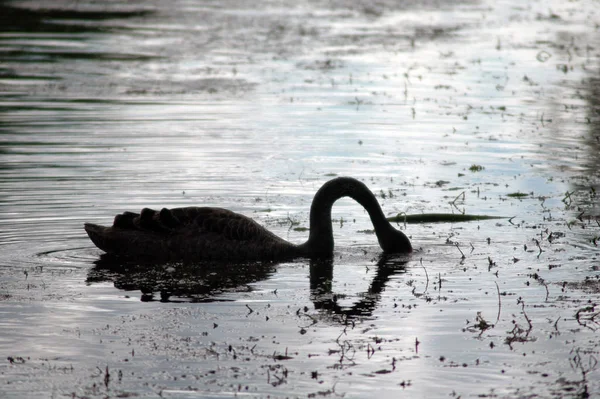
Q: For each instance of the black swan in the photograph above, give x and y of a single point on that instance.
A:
(201, 233)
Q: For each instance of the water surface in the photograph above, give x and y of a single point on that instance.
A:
(124, 105)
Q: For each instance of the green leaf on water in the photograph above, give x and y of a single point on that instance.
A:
(476, 168)
(517, 195)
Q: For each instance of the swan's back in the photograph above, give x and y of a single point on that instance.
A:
(192, 233)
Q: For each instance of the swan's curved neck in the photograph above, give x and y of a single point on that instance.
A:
(320, 240)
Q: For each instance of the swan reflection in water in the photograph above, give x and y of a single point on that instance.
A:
(190, 283)
(326, 301)
(179, 282)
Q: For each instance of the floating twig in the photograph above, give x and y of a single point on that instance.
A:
(518, 333)
(106, 378)
(499, 302)
(588, 315)
(526, 317)
(461, 252)
(568, 197)
(539, 247)
(426, 276)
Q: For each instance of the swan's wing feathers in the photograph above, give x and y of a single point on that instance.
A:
(125, 220)
(230, 225)
(194, 221)
(162, 221)
(167, 218)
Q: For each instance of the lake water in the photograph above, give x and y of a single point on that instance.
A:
(446, 106)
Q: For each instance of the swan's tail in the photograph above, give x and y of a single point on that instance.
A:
(98, 235)
(128, 242)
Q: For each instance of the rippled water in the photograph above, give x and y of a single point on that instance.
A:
(116, 106)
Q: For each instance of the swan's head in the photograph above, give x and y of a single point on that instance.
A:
(394, 242)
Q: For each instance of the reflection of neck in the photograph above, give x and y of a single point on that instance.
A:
(323, 298)
(321, 276)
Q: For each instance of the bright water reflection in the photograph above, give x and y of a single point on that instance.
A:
(118, 106)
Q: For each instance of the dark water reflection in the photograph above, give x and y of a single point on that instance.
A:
(207, 282)
(114, 106)
(592, 140)
(204, 282)
(16, 18)
(325, 299)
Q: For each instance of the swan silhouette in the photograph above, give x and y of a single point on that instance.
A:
(203, 233)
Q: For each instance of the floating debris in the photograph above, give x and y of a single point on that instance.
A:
(440, 218)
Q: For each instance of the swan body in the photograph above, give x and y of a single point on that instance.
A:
(203, 233)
